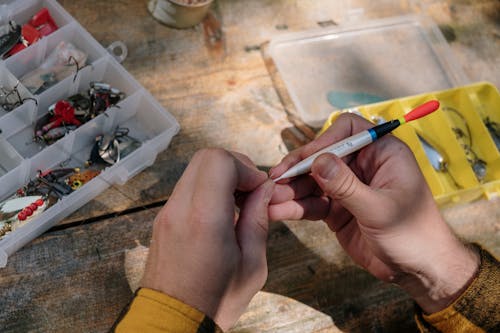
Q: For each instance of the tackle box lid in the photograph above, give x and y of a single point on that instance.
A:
(361, 62)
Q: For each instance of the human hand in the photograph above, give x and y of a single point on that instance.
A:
(202, 251)
(378, 204)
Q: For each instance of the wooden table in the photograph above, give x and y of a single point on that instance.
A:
(216, 83)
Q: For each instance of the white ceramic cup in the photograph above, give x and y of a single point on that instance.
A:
(176, 14)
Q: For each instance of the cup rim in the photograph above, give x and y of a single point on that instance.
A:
(178, 2)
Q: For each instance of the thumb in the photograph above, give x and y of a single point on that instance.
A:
(252, 228)
(340, 183)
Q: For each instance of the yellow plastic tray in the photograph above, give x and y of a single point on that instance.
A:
(463, 132)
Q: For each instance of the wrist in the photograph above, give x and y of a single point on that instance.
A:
(197, 299)
(442, 280)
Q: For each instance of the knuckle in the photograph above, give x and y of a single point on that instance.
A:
(211, 154)
(164, 220)
(213, 158)
(397, 144)
(344, 189)
(298, 212)
(262, 225)
(292, 157)
(348, 117)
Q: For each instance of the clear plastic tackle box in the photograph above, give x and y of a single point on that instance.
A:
(361, 62)
(21, 158)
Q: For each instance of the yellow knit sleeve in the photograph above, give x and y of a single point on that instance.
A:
(476, 310)
(152, 311)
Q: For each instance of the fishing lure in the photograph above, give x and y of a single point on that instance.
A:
(494, 130)
(80, 178)
(9, 100)
(40, 25)
(39, 194)
(68, 114)
(55, 134)
(10, 35)
(29, 35)
(50, 184)
(464, 136)
(111, 148)
(102, 96)
(43, 22)
(16, 211)
(436, 159)
(60, 63)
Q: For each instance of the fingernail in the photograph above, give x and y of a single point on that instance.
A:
(326, 167)
(264, 174)
(272, 173)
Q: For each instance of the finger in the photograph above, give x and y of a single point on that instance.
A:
(340, 183)
(286, 163)
(346, 124)
(310, 208)
(243, 159)
(252, 227)
(338, 217)
(224, 172)
(296, 189)
(240, 195)
(215, 181)
(249, 177)
(209, 182)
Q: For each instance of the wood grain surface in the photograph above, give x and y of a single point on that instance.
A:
(214, 80)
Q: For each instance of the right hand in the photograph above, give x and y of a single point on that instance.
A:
(382, 211)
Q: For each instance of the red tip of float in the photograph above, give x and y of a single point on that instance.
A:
(422, 110)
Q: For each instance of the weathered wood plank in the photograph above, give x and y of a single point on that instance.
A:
(75, 279)
(472, 29)
(71, 280)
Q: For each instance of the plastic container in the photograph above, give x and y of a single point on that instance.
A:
(358, 63)
(464, 132)
(21, 157)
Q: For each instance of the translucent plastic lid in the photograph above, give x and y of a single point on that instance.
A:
(336, 68)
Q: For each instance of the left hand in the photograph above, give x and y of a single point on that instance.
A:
(204, 253)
